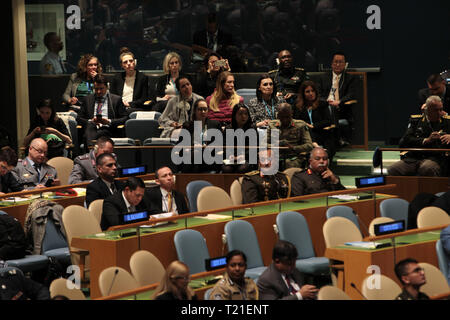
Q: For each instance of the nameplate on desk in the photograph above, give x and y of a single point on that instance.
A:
(132, 171)
(132, 217)
(389, 227)
(370, 181)
(215, 263)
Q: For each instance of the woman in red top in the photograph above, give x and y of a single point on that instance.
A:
(222, 101)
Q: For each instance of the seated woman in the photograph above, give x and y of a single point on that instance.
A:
(213, 65)
(316, 114)
(175, 284)
(179, 108)
(223, 99)
(81, 83)
(131, 84)
(265, 106)
(239, 160)
(165, 87)
(48, 126)
(198, 128)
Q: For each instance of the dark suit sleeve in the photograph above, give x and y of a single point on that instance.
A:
(269, 287)
(116, 84)
(140, 91)
(120, 111)
(153, 200)
(111, 210)
(350, 90)
(92, 193)
(83, 116)
(322, 117)
(182, 205)
(249, 191)
(161, 86)
(11, 184)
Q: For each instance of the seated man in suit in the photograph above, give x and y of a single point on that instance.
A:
(33, 171)
(437, 86)
(101, 112)
(129, 200)
(8, 160)
(282, 280)
(338, 88)
(265, 184)
(164, 201)
(104, 185)
(317, 178)
(84, 166)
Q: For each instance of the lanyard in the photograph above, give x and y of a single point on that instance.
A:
(271, 115)
(310, 115)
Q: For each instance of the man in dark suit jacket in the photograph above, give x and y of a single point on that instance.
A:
(101, 112)
(436, 87)
(338, 88)
(104, 185)
(212, 39)
(129, 200)
(164, 199)
(281, 280)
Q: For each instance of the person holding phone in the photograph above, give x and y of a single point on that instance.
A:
(213, 65)
(33, 171)
(51, 128)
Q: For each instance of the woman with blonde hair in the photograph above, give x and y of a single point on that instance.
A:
(130, 84)
(81, 83)
(175, 284)
(224, 98)
(165, 87)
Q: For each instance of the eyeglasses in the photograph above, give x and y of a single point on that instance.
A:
(338, 62)
(182, 278)
(417, 270)
(39, 151)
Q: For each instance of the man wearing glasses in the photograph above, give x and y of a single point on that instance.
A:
(337, 87)
(412, 277)
(33, 171)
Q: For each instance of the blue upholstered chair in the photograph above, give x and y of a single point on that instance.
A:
(343, 211)
(292, 227)
(395, 208)
(191, 249)
(241, 235)
(192, 190)
(442, 260)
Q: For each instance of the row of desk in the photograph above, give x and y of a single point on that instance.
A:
(114, 250)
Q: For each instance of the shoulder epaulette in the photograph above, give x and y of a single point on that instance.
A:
(300, 69)
(446, 116)
(273, 71)
(416, 116)
(252, 173)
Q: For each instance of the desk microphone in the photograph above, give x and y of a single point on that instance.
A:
(360, 293)
(361, 222)
(112, 281)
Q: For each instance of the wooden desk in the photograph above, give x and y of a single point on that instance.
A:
(106, 252)
(408, 187)
(356, 261)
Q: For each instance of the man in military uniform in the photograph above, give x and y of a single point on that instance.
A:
(52, 63)
(412, 277)
(287, 78)
(317, 178)
(430, 130)
(234, 285)
(294, 134)
(15, 286)
(84, 169)
(263, 184)
(33, 171)
(436, 86)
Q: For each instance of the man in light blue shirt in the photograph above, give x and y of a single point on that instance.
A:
(52, 63)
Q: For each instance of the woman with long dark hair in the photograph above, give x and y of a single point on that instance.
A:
(316, 114)
(239, 161)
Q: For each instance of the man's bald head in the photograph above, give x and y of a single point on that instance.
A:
(37, 151)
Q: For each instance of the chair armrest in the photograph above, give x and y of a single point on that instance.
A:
(330, 127)
(351, 102)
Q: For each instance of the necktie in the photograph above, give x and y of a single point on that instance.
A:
(37, 167)
(336, 88)
(113, 188)
(99, 106)
(131, 208)
(169, 202)
(290, 287)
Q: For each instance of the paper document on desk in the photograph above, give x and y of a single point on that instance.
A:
(346, 197)
(364, 244)
(214, 217)
(15, 199)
